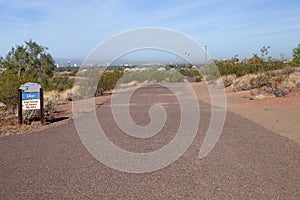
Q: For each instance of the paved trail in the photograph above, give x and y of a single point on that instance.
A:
(248, 161)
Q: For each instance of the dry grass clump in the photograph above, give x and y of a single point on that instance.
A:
(291, 83)
(225, 81)
(30, 115)
(66, 95)
(127, 85)
(198, 78)
(243, 83)
(77, 92)
(51, 102)
(51, 97)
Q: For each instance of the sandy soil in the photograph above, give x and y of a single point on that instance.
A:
(280, 115)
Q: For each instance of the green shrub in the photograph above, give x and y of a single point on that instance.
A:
(260, 81)
(9, 85)
(198, 78)
(210, 72)
(288, 70)
(58, 82)
(150, 75)
(188, 72)
(158, 75)
(109, 79)
(243, 83)
(251, 67)
(135, 76)
(176, 77)
(226, 80)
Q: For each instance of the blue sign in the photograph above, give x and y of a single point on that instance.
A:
(30, 95)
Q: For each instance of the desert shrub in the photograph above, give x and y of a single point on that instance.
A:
(290, 83)
(227, 67)
(9, 85)
(66, 95)
(31, 115)
(198, 78)
(135, 76)
(51, 102)
(109, 79)
(175, 77)
(77, 92)
(260, 81)
(85, 88)
(275, 73)
(252, 66)
(210, 72)
(242, 83)
(151, 75)
(288, 70)
(226, 80)
(240, 69)
(273, 65)
(277, 80)
(158, 75)
(186, 71)
(127, 85)
(58, 82)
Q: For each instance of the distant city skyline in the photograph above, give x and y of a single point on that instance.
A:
(71, 28)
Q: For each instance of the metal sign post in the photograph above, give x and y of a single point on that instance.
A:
(30, 98)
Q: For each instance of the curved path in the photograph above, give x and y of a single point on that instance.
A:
(248, 162)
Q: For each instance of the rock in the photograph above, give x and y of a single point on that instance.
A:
(256, 97)
(278, 93)
(2, 104)
(259, 96)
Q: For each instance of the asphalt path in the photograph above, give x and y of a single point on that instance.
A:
(248, 161)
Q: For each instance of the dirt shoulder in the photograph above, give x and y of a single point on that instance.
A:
(280, 115)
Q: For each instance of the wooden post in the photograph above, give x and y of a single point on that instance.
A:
(42, 106)
(20, 117)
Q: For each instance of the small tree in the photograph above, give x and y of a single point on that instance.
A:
(30, 58)
(264, 51)
(296, 54)
(24, 63)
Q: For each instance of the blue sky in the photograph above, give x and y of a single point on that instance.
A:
(72, 28)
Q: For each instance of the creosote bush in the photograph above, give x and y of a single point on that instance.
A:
(243, 83)
(58, 82)
(226, 80)
(260, 81)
